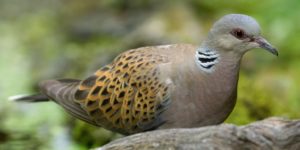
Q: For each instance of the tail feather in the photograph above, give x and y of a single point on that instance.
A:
(62, 92)
(29, 98)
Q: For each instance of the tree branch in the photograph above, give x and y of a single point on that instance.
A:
(269, 134)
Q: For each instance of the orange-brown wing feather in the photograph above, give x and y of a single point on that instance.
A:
(127, 95)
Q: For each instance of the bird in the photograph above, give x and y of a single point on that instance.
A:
(164, 86)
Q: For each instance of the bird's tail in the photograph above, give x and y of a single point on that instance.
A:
(29, 98)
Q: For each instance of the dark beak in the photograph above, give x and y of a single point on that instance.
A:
(263, 43)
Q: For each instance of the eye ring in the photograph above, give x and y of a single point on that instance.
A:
(238, 33)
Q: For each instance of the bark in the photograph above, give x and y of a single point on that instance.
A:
(269, 134)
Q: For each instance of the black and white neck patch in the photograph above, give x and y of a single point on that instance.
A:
(206, 59)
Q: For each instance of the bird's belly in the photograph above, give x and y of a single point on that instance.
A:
(188, 113)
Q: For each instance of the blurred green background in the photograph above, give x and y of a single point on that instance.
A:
(72, 38)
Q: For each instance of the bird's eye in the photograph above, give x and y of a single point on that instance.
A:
(238, 33)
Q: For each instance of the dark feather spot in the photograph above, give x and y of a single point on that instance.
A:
(114, 113)
(90, 81)
(117, 121)
(140, 94)
(115, 79)
(94, 112)
(120, 64)
(90, 103)
(129, 102)
(207, 67)
(152, 97)
(200, 53)
(133, 84)
(165, 89)
(104, 68)
(102, 78)
(81, 94)
(107, 80)
(111, 87)
(145, 106)
(125, 85)
(105, 102)
(104, 91)
(108, 109)
(159, 107)
(125, 75)
(122, 94)
(115, 102)
(128, 58)
(205, 60)
(118, 82)
(96, 90)
(125, 66)
(139, 65)
(118, 71)
(135, 127)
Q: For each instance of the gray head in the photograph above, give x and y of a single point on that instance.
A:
(237, 33)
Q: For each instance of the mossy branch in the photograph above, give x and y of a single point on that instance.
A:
(269, 134)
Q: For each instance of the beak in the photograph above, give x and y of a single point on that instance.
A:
(263, 43)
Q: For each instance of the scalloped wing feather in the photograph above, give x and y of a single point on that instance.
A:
(127, 95)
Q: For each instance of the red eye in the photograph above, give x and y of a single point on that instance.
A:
(238, 33)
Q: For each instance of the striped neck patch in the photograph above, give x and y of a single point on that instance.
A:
(206, 59)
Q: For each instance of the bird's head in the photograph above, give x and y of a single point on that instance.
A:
(238, 33)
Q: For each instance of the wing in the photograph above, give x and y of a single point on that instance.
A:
(127, 95)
